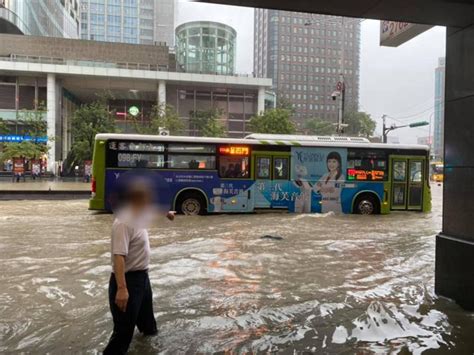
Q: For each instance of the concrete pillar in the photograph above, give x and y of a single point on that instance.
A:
(51, 121)
(261, 100)
(64, 127)
(454, 272)
(161, 93)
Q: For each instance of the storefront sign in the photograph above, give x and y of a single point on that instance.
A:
(133, 110)
(14, 138)
(18, 166)
(393, 33)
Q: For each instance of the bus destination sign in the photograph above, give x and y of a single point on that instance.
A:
(234, 150)
(365, 175)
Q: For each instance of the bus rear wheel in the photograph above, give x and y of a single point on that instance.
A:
(366, 204)
(191, 204)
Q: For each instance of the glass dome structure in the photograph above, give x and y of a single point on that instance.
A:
(206, 47)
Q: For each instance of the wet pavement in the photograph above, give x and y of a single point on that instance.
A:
(333, 284)
(44, 185)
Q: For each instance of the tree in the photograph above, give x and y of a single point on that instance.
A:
(34, 123)
(3, 126)
(34, 127)
(25, 149)
(317, 126)
(87, 121)
(161, 117)
(359, 124)
(207, 122)
(285, 104)
(273, 121)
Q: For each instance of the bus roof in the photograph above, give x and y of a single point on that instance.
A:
(269, 139)
(301, 138)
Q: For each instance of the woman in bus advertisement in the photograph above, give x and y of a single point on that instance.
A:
(318, 179)
(329, 185)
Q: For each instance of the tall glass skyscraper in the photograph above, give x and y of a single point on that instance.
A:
(53, 18)
(438, 137)
(128, 21)
(303, 54)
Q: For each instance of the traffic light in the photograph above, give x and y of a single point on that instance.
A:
(418, 124)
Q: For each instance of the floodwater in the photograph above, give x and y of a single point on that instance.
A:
(333, 284)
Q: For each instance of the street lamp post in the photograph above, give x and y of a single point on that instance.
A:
(386, 130)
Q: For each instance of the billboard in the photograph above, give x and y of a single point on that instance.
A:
(393, 33)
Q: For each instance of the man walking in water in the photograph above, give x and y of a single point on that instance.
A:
(130, 294)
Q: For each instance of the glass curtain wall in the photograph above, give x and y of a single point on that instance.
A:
(206, 47)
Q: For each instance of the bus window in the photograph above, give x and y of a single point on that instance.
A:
(234, 167)
(415, 171)
(280, 168)
(191, 161)
(140, 160)
(191, 148)
(399, 171)
(367, 165)
(263, 167)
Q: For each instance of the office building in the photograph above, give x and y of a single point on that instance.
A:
(135, 75)
(128, 21)
(438, 131)
(304, 55)
(424, 140)
(206, 47)
(53, 18)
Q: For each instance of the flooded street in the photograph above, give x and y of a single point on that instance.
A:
(333, 284)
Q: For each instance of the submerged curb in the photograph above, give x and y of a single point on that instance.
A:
(8, 195)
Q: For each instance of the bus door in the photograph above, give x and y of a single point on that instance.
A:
(280, 181)
(407, 176)
(263, 180)
(271, 174)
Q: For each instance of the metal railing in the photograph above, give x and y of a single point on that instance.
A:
(103, 64)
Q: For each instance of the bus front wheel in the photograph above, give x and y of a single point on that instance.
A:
(191, 204)
(367, 204)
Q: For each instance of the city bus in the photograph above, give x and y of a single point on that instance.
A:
(436, 171)
(302, 174)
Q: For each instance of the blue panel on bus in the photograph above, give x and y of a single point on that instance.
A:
(223, 195)
(227, 195)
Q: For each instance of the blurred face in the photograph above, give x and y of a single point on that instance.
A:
(139, 200)
(333, 165)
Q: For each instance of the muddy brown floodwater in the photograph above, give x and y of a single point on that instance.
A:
(333, 284)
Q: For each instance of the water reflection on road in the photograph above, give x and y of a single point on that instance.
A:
(333, 284)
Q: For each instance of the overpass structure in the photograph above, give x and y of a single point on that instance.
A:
(454, 275)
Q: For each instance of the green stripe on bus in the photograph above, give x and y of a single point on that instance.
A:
(264, 142)
(296, 143)
(280, 143)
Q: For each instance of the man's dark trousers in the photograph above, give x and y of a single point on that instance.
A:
(139, 311)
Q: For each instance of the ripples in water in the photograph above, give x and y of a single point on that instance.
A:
(332, 284)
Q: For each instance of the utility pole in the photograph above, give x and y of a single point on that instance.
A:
(384, 129)
(342, 88)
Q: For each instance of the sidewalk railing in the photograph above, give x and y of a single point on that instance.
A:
(101, 64)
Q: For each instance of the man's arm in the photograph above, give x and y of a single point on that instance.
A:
(170, 215)
(121, 298)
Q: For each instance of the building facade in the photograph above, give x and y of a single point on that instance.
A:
(52, 18)
(304, 55)
(80, 70)
(424, 140)
(128, 21)
(438, 131)
(206, 47)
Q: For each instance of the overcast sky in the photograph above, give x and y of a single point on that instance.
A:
(398, 82)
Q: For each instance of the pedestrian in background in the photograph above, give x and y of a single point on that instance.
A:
(130, 294)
